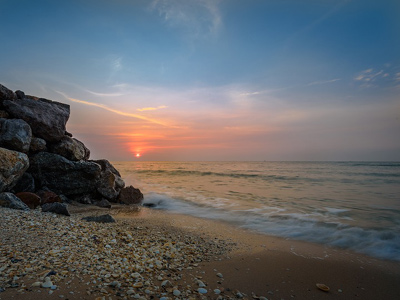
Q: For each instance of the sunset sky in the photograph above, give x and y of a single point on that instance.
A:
(213, 80)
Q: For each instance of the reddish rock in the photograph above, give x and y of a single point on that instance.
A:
(48, 197)
(30, 199)
(130, 195)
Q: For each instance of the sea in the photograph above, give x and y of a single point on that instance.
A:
(350, 205)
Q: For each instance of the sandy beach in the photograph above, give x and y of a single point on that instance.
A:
(149, 254)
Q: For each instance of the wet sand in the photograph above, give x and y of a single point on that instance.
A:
(239, 263)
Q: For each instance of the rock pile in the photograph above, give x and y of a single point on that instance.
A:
(43, 164)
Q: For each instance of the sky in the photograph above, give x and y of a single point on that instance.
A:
(209, 80)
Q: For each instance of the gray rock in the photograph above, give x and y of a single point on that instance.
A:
(37, 145)
(13, 164)
(71, 149)
(6, 94)
(130, 195)
(25, 184)
(100, 219)
(63, 176)
(56, 207)
(20, 94)
(110, 182)
(11, 201)
(15, 134)
(104, 203)
(46, 118)
(84, 199)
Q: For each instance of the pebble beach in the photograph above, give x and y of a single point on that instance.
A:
(150, 254)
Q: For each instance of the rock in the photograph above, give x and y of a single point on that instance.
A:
(30, 199)
(84, 199)
(25, 184)
(15, 134)
(130, 195)
(71, 149)
(110, 182)
(11, 201)
(20, 94)
(13, 164)
(4, 114)
(47, 283)
(202, 290)
(58, 208)
(104, 203)
(48, 197)
(100, 219)
(37, 145)
(46, 118)
(6, 94)
(63, 176)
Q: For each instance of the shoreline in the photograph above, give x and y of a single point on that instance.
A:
(246, 262)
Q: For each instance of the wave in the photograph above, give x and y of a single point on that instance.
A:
(384, 243)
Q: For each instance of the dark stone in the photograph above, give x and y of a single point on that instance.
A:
(30, 199)
(130, 195)
(13, 165)
(110, 182)
(104, 203)
(46, 118)
(11, 201)
(4, 114)
(84, 199)
(56, 207)
(48, 197)
(20, 94)
(100, 219)
(25, 184)
(6, 94)
(37, 145)
(15, 134)
(65, 199)
(63, 176)
(71, 149)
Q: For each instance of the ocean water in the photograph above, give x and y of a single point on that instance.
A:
(351, 205)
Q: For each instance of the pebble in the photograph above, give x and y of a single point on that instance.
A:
(202, 290)
(69, 249)
(217, 291)
(220, 275)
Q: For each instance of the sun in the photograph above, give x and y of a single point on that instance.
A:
(137, 155)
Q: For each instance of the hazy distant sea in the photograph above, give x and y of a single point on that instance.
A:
(352, 205)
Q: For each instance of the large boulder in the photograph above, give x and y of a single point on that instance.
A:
(46, 118)
(15, 134)
(11, 201)
(71, 149)
(110, 182)
(6, 94)
(25, 184)
(13, 164)
(130, 195)
(63, 176)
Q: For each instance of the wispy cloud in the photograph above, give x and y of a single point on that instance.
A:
(385, 76)
(122, 113)
(151, 108)
(197, 17)
(323, 81)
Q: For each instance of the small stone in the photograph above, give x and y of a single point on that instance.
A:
(201, 283)
(138, 284)
(47, 283)
(202, 290)
(176, 293)
(220, 275)
(36, 284)
(217, 291)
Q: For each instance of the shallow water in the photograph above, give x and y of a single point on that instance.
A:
(353, 205)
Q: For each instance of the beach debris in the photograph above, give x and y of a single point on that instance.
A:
(323, 287)
(47, 283)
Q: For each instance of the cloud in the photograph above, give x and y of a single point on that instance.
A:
(151, 108)
(197, 17)
(386, 76)
(323, 82)
(122, 113)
